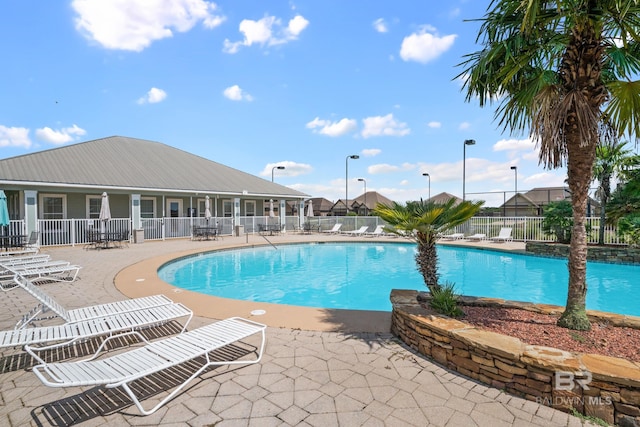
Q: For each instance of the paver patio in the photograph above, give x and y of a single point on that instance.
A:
(344, 377)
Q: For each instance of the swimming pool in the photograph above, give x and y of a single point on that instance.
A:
(360, 276)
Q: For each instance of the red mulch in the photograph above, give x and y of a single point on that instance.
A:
(540, 329)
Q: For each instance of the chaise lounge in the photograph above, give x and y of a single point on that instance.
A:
(122, 369)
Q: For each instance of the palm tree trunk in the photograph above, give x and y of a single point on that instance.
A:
(427, 261)
(604, 185)
(579, 171)
(580, 72)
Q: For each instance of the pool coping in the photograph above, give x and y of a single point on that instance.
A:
(141, 279)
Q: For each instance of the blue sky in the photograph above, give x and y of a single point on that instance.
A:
(254, 84)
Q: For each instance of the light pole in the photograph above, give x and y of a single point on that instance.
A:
(515, 170)
(346, 180)
(274, 168)
(428, 176)
(366, 208)
(464, 164)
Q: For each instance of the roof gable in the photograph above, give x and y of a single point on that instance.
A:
(134, 164)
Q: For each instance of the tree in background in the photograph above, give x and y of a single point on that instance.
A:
(624, 207)
(422, 221)
(611, 158)
(562, 71)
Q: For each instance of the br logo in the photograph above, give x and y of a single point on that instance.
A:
(567, 380)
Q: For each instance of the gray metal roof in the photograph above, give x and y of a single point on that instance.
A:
(134, 164)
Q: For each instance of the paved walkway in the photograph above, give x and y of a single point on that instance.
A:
(307, 378)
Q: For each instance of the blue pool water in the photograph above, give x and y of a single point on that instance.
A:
(360, 276)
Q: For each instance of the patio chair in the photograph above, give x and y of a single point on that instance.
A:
(358, 232)
(46, 302)
(335, 230)
(477, 237)
(122, 369)
(57, 271)
(379, 231)
(503, 236)
(453, 236)
(8, 270)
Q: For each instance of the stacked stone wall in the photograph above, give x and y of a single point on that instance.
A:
(614, 254)
(604, 387)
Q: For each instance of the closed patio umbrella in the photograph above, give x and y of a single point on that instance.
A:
(310, 209)
(207, 209)
(4, 211)
(105, 212)
(271, 212)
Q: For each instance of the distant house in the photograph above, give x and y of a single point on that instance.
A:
(445, 197)
(321, 207)
(533, 202)
(365, 203)
(359, 205)
(145, 180)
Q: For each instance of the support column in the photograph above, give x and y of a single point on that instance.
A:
(283, 214)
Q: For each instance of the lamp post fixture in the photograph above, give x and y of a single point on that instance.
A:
(346, 180)
(366, 208)
(274, 168)
(428, 176)
(464, 164)
(515, 199)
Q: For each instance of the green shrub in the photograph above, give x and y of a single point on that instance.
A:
(558, 220)
(445, 301)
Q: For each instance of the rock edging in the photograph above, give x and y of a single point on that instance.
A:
(594, 385)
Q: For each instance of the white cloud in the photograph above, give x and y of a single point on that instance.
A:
(235, 93)
(267, 31)
(425, 45)
(290, 169)
(434, 125)
(371, 152)
(464, 126)
(382, 168)
(134, 24)
(14, 137)
(380, 25)
(61, 136)
(154, 96)
(514, 145)
(404, 182)
(384, 126)
(326, 127)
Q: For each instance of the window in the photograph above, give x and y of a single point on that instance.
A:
(250, 208)
(227, 208)
(147, 207)
(53, 206)
(94, 203)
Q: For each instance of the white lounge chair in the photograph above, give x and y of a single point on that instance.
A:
(453, 236)
(334, 230)
(379, 231)
(477, 237)
(503, 236)
(84, 313)
(59, 271)
(358, 232)
(121, 369)
(105, 320)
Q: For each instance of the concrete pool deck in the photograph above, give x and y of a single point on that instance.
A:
(320, 368)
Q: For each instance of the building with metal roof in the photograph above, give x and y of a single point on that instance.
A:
(144, 179)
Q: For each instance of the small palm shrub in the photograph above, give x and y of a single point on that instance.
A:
(444, 300)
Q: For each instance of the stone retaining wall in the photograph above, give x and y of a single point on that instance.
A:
(620, 255)
(546, 375)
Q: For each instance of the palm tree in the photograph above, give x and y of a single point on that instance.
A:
(423, 221)
(561, 71)
(610, 159)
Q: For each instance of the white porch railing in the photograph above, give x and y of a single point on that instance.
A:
(75, 231)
